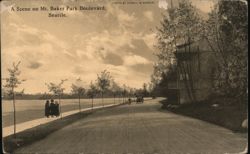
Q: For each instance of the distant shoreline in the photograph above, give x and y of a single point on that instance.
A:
(61, 98)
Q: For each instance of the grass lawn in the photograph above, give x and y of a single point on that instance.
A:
(226, 113)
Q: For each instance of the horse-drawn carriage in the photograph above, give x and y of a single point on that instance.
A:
(139, 99)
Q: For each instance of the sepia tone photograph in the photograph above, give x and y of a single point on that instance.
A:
(124, 76)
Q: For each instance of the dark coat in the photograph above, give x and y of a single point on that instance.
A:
(47, 109)
(52, 109)
(57, 112)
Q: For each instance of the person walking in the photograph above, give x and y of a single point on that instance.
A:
(129, 101)
(47, 108)
(57, 113)
(52, 108)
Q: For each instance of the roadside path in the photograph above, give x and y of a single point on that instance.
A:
(30, 124)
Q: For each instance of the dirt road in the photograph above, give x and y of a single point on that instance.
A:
(139, 128)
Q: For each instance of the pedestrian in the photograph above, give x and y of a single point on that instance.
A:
(52, 108)
(47, 109)
(129, 100)
(57, 113)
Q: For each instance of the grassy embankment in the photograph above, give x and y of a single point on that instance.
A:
(224, 112)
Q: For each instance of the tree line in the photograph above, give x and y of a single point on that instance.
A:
(103, 86)
(226, 33)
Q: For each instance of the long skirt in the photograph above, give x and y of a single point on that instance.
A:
(47, 111)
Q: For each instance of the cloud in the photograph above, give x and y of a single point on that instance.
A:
(113, 59)
(142, 49)
(29, 36)
(34, 65)
(124, 19)
(79, 70)
(134, 60)
(84, 44)
(163, 4)
(82, 54)
(99, 45)
(37, 49)
(144, 69)
(149, 15)
(150, 40)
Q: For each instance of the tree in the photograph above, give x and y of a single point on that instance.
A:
(131, 92)
(92, 92)
(124, 92)
(11, 84)
(114, 88)
(119, 92)
(182, 25)
(79, 90)
(103, 82)
(145, 90)
(57, 90)
(226, 32)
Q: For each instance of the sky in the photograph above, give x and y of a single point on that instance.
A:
(119, 39)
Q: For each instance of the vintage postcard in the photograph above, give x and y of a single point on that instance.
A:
(124, 76)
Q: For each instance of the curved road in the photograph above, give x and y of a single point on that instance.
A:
(139, 128)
